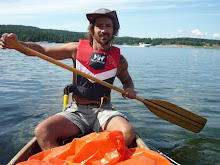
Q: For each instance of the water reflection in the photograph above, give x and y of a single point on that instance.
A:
(31, 90)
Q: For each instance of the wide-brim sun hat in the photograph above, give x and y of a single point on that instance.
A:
(104, 12)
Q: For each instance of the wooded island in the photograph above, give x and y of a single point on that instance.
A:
(34, 34)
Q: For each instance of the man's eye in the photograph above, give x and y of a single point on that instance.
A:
(99, 26)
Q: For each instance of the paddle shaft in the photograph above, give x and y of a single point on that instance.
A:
(24, 49)
(162, 109)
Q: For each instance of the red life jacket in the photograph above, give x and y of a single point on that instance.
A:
(102, 65)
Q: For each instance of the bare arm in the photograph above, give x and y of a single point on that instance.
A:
(125, 78)
(59, 53)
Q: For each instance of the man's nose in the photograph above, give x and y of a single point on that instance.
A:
(103, 30)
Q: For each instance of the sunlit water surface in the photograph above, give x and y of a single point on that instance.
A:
(31, 90)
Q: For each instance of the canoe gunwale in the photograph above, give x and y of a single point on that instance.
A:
(32, 147)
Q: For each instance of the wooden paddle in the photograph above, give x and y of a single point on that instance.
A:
(162, 109)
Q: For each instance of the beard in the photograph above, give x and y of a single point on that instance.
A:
(103, 39)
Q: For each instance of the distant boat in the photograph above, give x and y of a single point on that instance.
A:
(141, 44)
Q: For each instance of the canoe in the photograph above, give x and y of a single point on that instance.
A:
(32, 147)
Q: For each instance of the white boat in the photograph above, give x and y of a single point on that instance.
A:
(141, 44)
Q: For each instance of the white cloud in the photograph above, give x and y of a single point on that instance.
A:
(40, 7)
(197, 33)
(43, 14)
(216, 35)
(70, 6)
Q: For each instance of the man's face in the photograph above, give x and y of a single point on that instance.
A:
(103, 30)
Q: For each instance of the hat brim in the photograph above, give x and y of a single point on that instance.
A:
(92, 17)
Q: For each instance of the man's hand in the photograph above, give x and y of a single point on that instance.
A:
(130, 93)
(4, 41)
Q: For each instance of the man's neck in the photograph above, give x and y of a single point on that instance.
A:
(99, 47)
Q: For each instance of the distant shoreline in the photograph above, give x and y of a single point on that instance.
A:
(187, 46)
(34, 34)
(166, 46)
(178, 46)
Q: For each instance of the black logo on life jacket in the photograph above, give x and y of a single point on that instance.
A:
(97, 60)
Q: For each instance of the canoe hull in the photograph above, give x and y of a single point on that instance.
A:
(32, 147)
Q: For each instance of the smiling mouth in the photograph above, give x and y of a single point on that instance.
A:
(104, 35)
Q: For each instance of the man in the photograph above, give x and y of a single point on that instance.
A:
(95, 56)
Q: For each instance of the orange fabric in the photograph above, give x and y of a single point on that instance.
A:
(97, 149)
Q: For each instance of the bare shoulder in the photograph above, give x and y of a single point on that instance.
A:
(122, 60)
(71, 48)
(65, 51)
(123, 75)
(122, 67)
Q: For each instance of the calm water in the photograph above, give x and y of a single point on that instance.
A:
(31, 90)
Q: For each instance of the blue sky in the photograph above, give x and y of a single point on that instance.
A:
(138, 18)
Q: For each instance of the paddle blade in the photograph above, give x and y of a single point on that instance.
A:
(176, 115)
(162, 109)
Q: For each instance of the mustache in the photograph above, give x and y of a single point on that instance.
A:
(105, 34)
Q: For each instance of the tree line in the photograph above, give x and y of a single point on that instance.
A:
(166, 41)
(34, 34)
